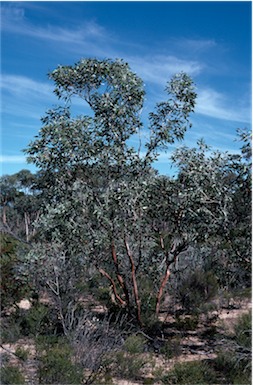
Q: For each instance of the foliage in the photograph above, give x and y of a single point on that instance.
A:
(234, 359)
(56, 366)
(97, 206)
(22, 353)
(197, 288)
(11, 375)
(95, 183)
(196, 372)
(14, 286)
(171, 348)
(134, 344)
(243, 330)
(39, 319)
(128, 366)
(20, 204)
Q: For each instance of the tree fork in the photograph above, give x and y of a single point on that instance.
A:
(117, 296)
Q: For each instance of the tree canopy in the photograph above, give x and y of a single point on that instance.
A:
(105, 212)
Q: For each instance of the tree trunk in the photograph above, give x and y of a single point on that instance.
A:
(160, 292)
(4, 214)
(119, 276)
(135, 286)
(26, 226)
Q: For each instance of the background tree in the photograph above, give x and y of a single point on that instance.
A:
(20, 204)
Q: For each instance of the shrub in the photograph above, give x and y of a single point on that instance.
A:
(22, 353)
(243, 330)
(171, 348)
(10, 329)
(187, 323)
(56, 366)
(134, 344)
(234, 360)
(40, 319)
(196, 289)
(128, 366)
(232, 370)
(11, 375)
(197, 372)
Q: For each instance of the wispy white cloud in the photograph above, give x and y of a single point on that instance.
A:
(12, 159)
(22, 85)
(159, 68)
(195, 45)
(14, 21)
(217, 105)
(96, 40)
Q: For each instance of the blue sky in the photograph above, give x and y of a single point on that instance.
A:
(211, 41)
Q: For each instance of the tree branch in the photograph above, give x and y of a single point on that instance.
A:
(105, 274)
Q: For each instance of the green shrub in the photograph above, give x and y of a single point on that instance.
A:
(56, 366)
(128, 366)
(39, 319)
(134, 344)
(234, 360)
(10, 329)
(22, 353)
(171, 348)
(196, 372)
(233, 371)
(11, 375)
(243, 330)
(148, 381)
(196, 289)
(187, 323)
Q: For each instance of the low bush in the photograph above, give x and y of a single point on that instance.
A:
(22, 353)
(40, 319)
(11, 375)
(196, 289)
(171, 348)
(128, 366)
(196, 372)
(234, 360)
(135, 344)
(185, 323)
(232, 370)
(55, 363)
(10, 329)
(243, 331)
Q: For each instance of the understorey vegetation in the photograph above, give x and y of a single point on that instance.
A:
(105, 248)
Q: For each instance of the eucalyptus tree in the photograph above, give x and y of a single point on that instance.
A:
(20, 204)
(95, 183)
(215, 193)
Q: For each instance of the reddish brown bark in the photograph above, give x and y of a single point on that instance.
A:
(105, 274)
(160, 292)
